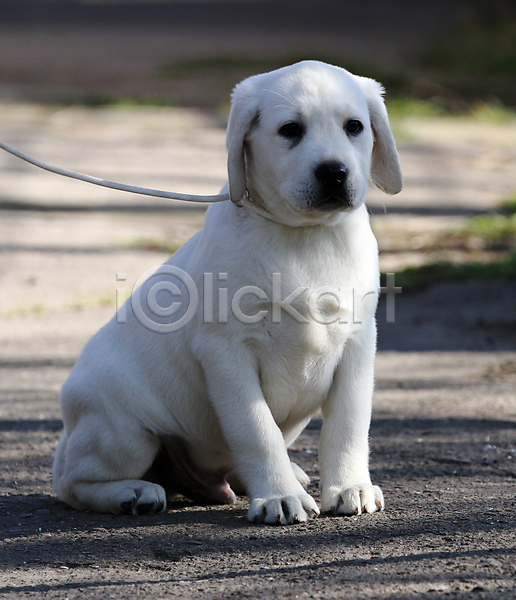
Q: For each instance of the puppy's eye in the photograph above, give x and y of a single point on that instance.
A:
(354, 127)
(291, 130)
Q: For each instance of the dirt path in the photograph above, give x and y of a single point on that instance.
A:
(443, 449)
(444, 426)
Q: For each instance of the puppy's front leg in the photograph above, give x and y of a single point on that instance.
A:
(255, 440)
(344, 446)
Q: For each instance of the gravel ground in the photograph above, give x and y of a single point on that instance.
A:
(443, 436)
(443, 449)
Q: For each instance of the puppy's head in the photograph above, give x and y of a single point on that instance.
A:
(305, 140)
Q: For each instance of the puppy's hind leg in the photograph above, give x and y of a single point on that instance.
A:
(99, 466)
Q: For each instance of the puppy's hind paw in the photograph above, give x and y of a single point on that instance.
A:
(301, 476)
(146, 500)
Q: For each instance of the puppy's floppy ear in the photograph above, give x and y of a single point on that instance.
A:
(385, 163)
(244, 110)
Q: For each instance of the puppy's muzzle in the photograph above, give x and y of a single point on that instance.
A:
(332, 177)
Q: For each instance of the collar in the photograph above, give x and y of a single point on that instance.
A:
(258, 208)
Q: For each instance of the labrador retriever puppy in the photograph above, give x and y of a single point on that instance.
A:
(221, 356)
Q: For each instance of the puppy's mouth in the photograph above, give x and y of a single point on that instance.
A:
(332, 203)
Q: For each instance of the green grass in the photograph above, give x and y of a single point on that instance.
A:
(466, 70)
(441, 271)
(424, 90)
(401, 108)
(508, 207)
(404, 107)
(475, 61)
(260, 64)
(494, 112)
(493, 229)
(496, 229)
(239, 66)
(483, 47)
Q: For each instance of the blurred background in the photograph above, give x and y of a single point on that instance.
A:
(456, 54)
(138, 91)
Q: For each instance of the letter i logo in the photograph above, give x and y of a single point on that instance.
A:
(121, 315)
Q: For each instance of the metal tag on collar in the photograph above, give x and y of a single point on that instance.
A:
(239, 203)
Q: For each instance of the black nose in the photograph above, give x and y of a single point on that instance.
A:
(332, 175)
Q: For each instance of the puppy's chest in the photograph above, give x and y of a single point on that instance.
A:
(297, 365)
(306, 336)
(301, 339)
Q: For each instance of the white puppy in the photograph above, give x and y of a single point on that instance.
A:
(272, 320)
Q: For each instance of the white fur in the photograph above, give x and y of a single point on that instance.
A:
(236, 394)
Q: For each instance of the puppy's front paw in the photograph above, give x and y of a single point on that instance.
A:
(354, 500)
(283, 510)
